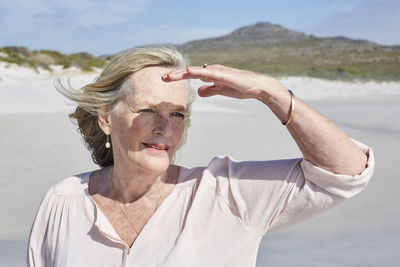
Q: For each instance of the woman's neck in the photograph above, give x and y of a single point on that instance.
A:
(131, 185)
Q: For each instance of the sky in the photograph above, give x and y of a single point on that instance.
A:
(109, 26)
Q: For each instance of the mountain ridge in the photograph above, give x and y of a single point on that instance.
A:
(272, 49)
(266, 33)
(262, 47)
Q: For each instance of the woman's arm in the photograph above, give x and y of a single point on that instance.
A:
(321, 141)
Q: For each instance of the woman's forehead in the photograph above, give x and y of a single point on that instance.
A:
(147, 86)
(150, 78)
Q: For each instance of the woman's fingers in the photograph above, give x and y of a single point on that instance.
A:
(173, 75)
(192, 72)
(211, 90)
(206, 91)
(205, 74)
(226, 81)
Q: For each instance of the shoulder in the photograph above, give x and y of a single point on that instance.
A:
(217, 164)
(227, 167)
(73, 185)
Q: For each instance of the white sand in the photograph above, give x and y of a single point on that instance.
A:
(26, 90)
(40, 146)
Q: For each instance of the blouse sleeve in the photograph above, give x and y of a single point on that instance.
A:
(38, 232)
(271, 195)
(321, 190)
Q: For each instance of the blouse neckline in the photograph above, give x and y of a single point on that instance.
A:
(105, 226)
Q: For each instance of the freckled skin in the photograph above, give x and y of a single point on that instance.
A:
(130, 130)
(152, 115)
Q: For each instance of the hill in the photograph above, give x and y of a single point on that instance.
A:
(262, 47)
(273, 49)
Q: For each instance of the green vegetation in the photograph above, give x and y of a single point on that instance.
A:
(44, 58)
(272, 49)
(328, 62)
(314, 57)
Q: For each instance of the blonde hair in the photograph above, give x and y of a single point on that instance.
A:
(107, 90)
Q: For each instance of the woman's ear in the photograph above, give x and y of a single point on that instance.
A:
(104, 120)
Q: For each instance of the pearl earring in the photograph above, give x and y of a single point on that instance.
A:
(108, 145)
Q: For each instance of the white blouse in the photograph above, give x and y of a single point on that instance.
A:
(215, 215)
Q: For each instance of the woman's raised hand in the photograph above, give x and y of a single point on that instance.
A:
(321, 141)
(226, 81)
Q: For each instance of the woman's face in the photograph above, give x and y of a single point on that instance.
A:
(148, 126)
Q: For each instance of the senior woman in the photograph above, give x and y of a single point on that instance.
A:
(140, 209)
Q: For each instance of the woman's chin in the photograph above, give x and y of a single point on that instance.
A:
(156, 164)
(149, 161)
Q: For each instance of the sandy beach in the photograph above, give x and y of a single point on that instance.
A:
(40, 146)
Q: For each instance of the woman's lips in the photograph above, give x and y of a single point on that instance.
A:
(156, 146)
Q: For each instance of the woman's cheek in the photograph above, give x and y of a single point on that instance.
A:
(178, 132)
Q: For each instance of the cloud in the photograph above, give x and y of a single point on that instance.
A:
(99, 27)
(139, 34)
(23, 21)
(375, 20)
(175, 34)
(92, 13)
(109, 26)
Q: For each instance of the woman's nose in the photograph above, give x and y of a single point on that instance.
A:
(163, 125)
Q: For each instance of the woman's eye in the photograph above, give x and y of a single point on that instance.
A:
(178, 115)
(146, 110)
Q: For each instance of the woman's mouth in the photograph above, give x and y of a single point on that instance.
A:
(156, 146)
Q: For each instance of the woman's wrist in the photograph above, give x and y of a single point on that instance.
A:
(278, 99)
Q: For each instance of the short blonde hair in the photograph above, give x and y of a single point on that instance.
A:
(107, 90)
